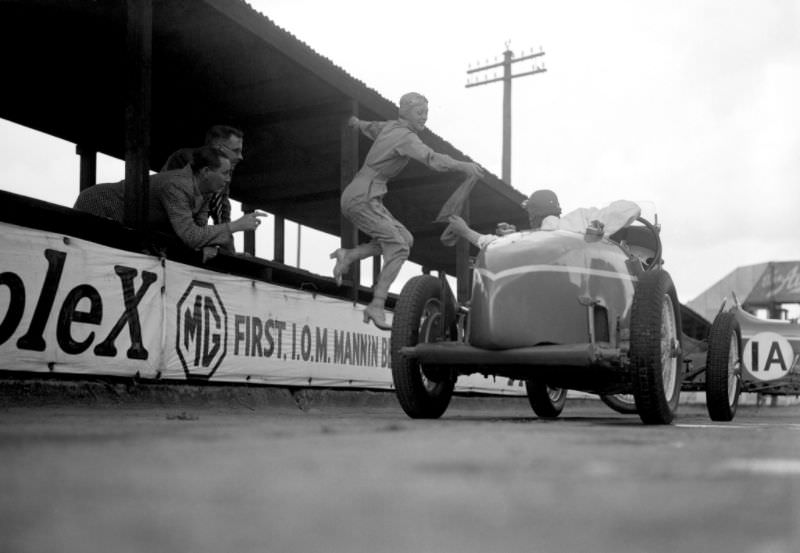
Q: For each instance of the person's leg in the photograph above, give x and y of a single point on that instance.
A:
(353, 209)
(395, 242)
(344, 257)
(396, 245)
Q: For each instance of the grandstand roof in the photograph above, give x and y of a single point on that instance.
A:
(222, 62)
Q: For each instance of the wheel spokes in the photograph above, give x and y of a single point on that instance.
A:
(734, 369)
(555, 393)
(669, 347)
(430, 330)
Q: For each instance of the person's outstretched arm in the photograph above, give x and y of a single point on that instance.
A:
(461, 228)
(370, 128)
(413, 147)
(177, 203)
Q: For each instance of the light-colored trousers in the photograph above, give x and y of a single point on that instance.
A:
(389, 237)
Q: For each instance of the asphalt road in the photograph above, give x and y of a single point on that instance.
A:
(236, 477)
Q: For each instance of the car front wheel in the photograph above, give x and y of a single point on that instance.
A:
(655, 349)
(424, 392)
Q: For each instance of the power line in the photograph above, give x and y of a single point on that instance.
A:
(508, 59)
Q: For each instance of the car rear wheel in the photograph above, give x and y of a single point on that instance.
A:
(621, 403)
(546, 401)
(723, 367)
(423, 392)
(655, 352)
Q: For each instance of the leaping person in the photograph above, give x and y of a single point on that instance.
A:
(395, 143)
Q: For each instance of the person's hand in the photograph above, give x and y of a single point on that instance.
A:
(248, 221)
(353, 121)
(210, 252)
(505, 228)
(458, 224)
(472, 169)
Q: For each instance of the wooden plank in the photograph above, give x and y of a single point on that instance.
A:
(348, 169)
(279, 254)
(88, 169)
(249, 235)
(139, 39)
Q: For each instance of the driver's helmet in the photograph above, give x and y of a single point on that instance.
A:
(542, 203)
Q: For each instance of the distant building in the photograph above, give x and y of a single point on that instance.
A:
(770, 290)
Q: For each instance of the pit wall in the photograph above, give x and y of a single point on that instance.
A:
(70, 306)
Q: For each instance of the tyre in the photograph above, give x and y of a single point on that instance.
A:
(655, 352)
(724, 367)
(547, 402)
(621, 403)
(419, 316)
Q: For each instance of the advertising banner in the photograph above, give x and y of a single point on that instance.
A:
(71, 306)
(228, 328)
(74, 307)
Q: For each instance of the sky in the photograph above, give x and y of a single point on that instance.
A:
(690, 107)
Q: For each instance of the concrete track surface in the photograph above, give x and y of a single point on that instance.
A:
(347, 472)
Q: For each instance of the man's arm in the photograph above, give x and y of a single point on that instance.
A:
(178, 203)
(370, 129)
(460, 228)
(413, 147)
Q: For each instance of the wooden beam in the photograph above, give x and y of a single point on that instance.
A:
(279, 254)
(88, 169)
(348, 168)
(249, 235)
(139, 42)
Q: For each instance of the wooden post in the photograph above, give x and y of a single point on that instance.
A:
(507, 55)
(88, 174)
(249, 235)
(139, 33)
(348, 169)
(280, 239)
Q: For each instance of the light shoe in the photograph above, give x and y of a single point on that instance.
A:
(341, 266)
(376, 314)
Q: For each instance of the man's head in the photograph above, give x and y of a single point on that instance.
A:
(228, 140)
(212, 169)
(414, 109)
(541, 204)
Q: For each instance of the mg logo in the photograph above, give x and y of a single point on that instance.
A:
(202, 330)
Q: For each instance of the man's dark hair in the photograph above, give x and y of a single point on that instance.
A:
(223, 132)
(206, 156)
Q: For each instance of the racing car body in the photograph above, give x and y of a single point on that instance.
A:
(544, 298)
(558, 309)
(770, 355)
(764, 357)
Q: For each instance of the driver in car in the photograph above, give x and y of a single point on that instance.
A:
(543, 212)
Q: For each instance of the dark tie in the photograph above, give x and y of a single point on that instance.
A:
(215, 207)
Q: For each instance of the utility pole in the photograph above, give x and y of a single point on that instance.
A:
(508, 59)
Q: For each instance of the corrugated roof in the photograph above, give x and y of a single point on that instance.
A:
(221, 61)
